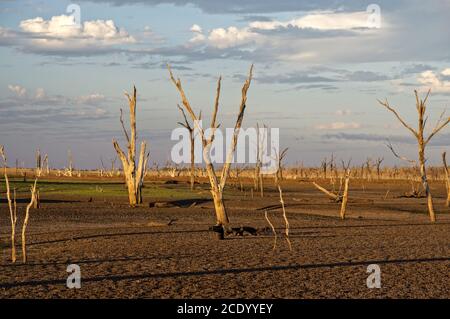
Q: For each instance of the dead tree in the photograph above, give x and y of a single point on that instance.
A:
(11, 205)
(422, 141)
(369, 168)
(45, 164)
(26, 219)
(447, 179)
(260, 142)
(217, 183)
(345, 194)
(273, 230)
(378, 165)
(279, 158)
(134, 176)
(333, 171)
(190, 129)
(113, 165)
(324, 165)
(38, 163)
(103, 169)
(286, 221)
(70, 162)
(238, 171)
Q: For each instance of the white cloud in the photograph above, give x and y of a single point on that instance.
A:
(433, 81)
(40, 94)
(62, 33)
(196, 28)
(319, 21)
(253, 33)
(343, 112)
(224, 38)
(446, 72)
(93, 98)
(100, 111)
(18, 90)
(338, 126)
(198, 38)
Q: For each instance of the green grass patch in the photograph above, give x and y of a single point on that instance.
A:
(104, 189)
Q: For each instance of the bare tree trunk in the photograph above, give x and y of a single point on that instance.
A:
(192, 177)
(25, 221)
(345, 195)
(70, 168)
(261, 184)
(134, 177)
(273, 230)
(11, 205)
(221, 213)
(426, 187)
(190, 128)
(447, 179)
(38, 163)
(286, 221)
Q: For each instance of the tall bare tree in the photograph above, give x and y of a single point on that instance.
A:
(34, 198)
(422, 141)
(217, 183)
(346, 168)
(134, 176)
(190, 129)
(447, 179)
(11, 205)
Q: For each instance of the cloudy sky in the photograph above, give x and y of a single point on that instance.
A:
(320, 67)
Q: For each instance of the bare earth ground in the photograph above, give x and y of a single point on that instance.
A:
(130, 253)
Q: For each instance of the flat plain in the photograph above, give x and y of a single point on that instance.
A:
(166, 250)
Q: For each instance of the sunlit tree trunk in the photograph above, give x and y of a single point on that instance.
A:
(447, 179)
(134, 176)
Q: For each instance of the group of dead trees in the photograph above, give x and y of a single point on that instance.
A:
(422, 142)
(134, 173)
(12, 205)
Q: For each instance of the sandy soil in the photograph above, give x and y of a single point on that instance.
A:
(131, 253)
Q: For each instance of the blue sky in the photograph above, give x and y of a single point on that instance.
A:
(319, 68)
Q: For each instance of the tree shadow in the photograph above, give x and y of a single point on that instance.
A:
(222, 272)
(116, 235)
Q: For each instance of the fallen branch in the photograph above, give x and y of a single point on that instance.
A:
(333, 196)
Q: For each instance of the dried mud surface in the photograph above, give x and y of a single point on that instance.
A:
(131, 253)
